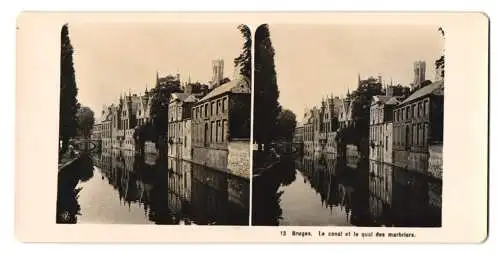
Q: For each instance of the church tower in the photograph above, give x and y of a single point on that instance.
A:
(419, 71)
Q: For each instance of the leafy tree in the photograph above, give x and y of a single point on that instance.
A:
(86, 120)
(286, 123)
(266, 93)
(68, 104)
(358, 132)
(244, 60)
(156, 128)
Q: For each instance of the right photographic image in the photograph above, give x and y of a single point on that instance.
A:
(348, 125)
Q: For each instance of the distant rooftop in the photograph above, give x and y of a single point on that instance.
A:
(434, 88)
(179, 96)
(234, 86)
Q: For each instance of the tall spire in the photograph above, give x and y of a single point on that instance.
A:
(359, 80)
(189, 78)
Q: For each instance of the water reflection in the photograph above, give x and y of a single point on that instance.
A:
(128, 188)
(67, 193)
(321, 190)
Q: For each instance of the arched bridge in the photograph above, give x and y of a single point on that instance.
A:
(86, 145)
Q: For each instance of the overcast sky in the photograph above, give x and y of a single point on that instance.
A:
(313, 61)
(111, 58)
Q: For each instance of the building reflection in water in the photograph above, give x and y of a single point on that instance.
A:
(171, 191)
(369, 194)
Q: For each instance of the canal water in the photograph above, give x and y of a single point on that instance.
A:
(120, 187)
(321, 191)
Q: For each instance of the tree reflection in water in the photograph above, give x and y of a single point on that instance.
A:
(266, 209)
(151, 189)
(67, 207)
(358, 193)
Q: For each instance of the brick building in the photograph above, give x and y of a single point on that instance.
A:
(116, 133)
(308, 136)
(129, 120)
(143, 109)
(329, 123)
(175, 125)
(220, 128)
(345, 114)
(106, 128)
(381, 117)
(298, 135)
(179, 125)
(96, 130)
(418, 123)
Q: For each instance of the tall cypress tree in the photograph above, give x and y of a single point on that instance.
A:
(244, 60)
(68, 105)
(266, 93)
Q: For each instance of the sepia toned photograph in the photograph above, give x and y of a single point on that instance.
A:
(348, 125)
(154, 124)
(252, 127)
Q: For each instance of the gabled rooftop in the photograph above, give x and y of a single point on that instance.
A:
(234, 86)
(434, 88)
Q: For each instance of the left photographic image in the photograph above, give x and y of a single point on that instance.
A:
(154, 124)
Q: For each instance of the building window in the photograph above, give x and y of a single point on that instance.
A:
(426, 107)
(206, 109)
(212, 108)
(425, 134)
(207, 133)
(417, 134)
(217, 129)
(407, 137)
(421, 128)
(398, 135)
(413, 111)
(212, 127)
(414, 130)
(224, 106)
(185, 141)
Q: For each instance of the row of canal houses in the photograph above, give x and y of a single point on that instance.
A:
(199, 123)
(405, 124)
